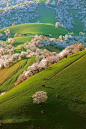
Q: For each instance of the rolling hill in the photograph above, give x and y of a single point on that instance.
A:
(36, 28)
(27, 31)
(66, 79)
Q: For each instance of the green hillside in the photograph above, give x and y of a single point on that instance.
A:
(66, 79)
(36, 28)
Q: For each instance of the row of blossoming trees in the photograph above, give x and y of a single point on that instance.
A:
(44, 57)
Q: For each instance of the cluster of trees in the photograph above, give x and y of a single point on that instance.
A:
(69, 50)
(7, 60)
(7, 57)
(32, 50)
(19, 14)
(13, 2)
(7, 32)
(6, 36)
(76, 4)
(46, 58)
(65, 19)
(62, 42)
(12, 40)
(82, 16)
(79, 5)
(6, 49)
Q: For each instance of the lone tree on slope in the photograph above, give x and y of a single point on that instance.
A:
(40, 97)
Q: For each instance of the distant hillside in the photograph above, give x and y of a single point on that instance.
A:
(48, 15)
(36, 28)
(66, 79)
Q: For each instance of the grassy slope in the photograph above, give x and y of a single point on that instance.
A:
(65, 78)
(22, 40)
(11, 74)
(36, 28)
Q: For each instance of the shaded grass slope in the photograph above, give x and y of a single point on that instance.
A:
(66, 79)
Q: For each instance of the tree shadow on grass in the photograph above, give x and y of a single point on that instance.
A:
(22, 125)
(57, 116)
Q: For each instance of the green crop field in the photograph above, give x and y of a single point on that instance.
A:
(66, 79)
